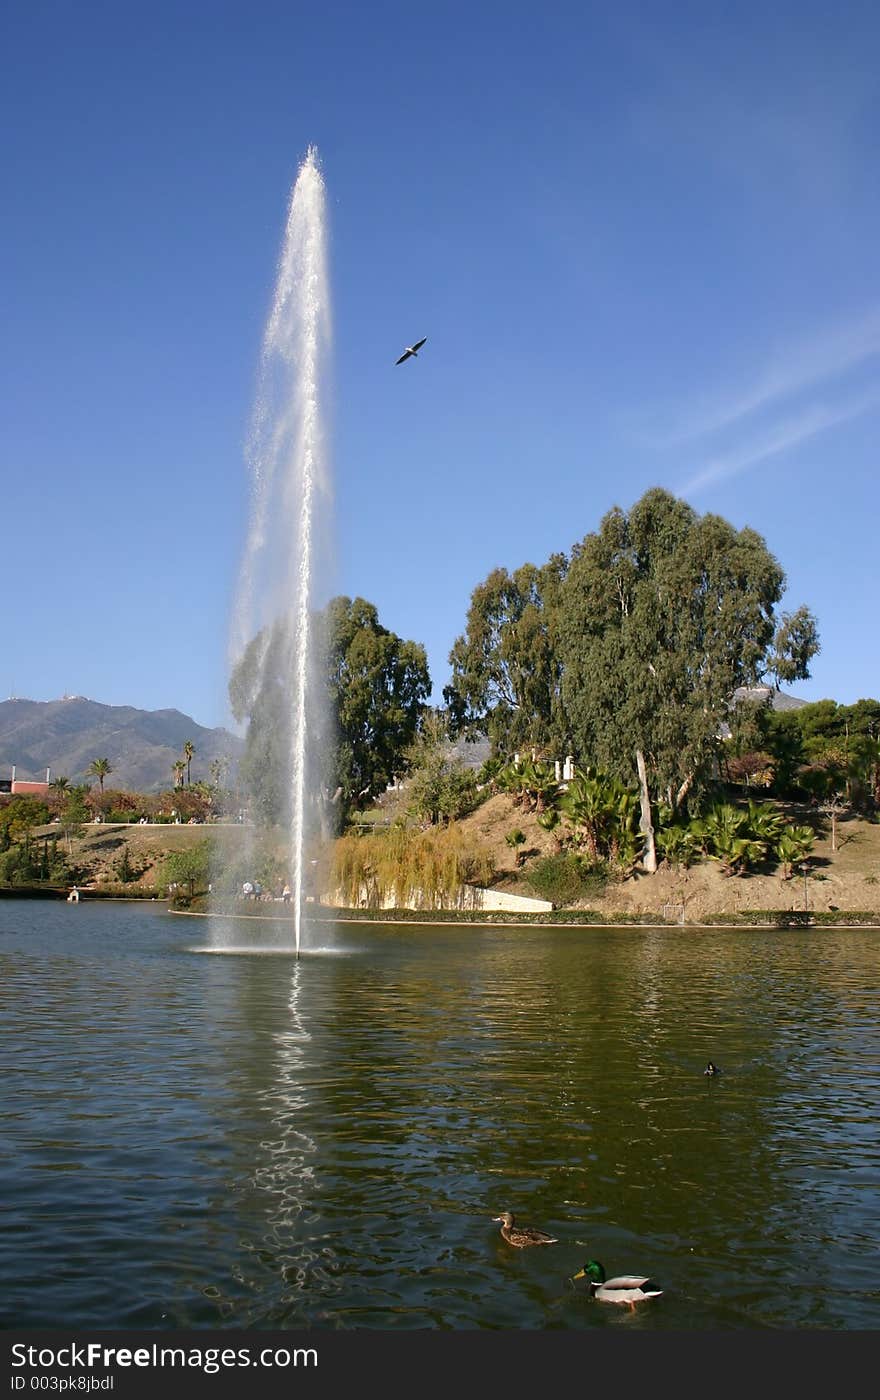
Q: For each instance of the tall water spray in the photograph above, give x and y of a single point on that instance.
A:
(285, 552)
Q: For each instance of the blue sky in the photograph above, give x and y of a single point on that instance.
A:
(641, 239)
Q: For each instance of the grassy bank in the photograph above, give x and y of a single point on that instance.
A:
(842, 885)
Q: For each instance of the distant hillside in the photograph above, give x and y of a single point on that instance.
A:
(67, 735)
(759, 694)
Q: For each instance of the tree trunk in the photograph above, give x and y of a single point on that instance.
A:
(683, 791)
(649, 855)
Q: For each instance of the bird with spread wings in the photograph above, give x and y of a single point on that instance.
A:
(411, 350)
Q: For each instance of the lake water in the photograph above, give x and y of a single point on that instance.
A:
(193, 1140)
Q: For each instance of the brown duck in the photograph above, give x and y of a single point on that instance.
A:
(521, 1235)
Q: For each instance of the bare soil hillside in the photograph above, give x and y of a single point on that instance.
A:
(98, 851)
(845, 879)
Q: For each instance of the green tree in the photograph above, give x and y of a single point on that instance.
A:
(795, 643)
(374, 686)
(219, 768)
(191, 868)
(74, 814)
(439, 786)
(378, 688)
(784, 742)
(188, 753)
(664, 614)
(127, 870)
(100, 768)
(178, 767)
(844, 739)
(18, 818)
(506, 669)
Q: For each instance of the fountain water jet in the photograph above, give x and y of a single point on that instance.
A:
(285, 550)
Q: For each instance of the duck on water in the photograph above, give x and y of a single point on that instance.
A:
(520, 1236)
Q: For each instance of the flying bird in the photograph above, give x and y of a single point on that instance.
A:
(411, 350)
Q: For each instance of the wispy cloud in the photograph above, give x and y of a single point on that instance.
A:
(826, 355)
(780, 438)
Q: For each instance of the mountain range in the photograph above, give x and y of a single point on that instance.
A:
(67, 735)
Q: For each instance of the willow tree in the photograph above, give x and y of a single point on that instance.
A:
(506, 673)
(663, 614)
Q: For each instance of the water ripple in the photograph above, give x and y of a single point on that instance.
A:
(248, 1142)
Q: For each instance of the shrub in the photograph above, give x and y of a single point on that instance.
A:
(191, 868)
(566, 878)
(127, 870)
(489, 770)
(679, 845)
(515, 840)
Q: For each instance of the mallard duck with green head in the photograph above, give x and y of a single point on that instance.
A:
(520, 1236)
(625, 1288)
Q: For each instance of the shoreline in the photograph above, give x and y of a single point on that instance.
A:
(518, 923)
(781, 920)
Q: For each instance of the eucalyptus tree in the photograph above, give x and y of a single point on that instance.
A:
(795, 644)
(506, 669)
(663, 614)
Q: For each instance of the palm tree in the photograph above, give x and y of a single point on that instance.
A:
(793, 846)
(219, 769)
(515, 839)
(100, 768)
(60, 785)
(586, 805)
(727, 837)
(178, 766)
(188, 751)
